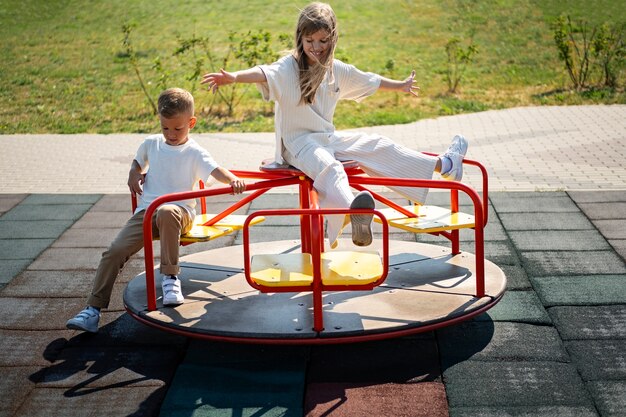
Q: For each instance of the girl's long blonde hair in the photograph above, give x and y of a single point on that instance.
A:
(314, 17)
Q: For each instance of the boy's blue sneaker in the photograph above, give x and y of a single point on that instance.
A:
(455, 153)
(172, 293)
(87, 320)
(362, 223)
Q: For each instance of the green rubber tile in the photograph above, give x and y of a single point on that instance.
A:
(61, 199)
(268, 388)
(46, 212)
(516, 277)
(425, 399)
(395, 360)
(22, 248)
(599, 359)
(590, 322)
(499, 341)
(10, 268)
(609, 396)
(545, 221)
(536, 411)
(580, 290)
(515, 384)
(548, 263)
(21, 229)
(219, 353)
(100, 402)
(556, 202)
(518, 306)
(559, 240)
(15, 385)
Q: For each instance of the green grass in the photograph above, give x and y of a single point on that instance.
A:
(64, 68)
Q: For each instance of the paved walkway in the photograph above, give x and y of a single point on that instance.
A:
(554, 346)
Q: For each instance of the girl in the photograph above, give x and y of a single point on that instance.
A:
(305, 86)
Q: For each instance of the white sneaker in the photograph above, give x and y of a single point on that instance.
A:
(172, 294)
(87, 320)
(455, 153)
(362, 223)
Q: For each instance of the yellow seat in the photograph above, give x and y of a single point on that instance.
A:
(296, 269)
(429, 219)
(199, 233)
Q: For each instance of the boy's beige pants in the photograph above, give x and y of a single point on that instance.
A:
(168, 223)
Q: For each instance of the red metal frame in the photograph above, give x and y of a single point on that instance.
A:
(311, 226)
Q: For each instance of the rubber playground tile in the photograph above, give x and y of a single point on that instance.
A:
(620, 246)
(603, 211)
(609, 396)
(424, 399)
(23, 248)
(8, 201)
(518, 306)
(553, 202)
(100, 402)
(61, 284)
(545, 221)
(534, 411)
(500, 252)
(29, 348)
(559, 240)
(597, 196)
(548, 263)
(590, 322)
(67, 259)
(612, 229)
(82, 238)
(102, 220)
(15, 387)
(10, 268)
(514, 384)
(37, 313)
(46, 212)
(499, 341)
(395, 360)
(516, 277)
(599, 359)
(219, 353)
(113, 202)
(61, 199)
(41, 229)
(268, 388)
(580, 290)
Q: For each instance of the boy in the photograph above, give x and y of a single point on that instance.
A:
(165, 163)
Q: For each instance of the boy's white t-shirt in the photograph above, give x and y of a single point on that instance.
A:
(297, 123)
(172, 169)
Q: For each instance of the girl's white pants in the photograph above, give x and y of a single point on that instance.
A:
(378, 156)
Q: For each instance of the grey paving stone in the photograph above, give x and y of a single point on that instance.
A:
(518, 306)
(598, 360)
(550, 263)
(536, 411)
(597, 196)
(554, 202)
(612, 229)
(23, 248)
(21, 229)
(67, 259)
(500, 341)
(46, 212)
(516, 277)
(600, 211)
(54, 284)
(559, 240)
(10, 268)
(609, 396)
(15, 386)
(513, 384)
(101, 402)
(37, 313)
(590, 322)
(580, 290)
(545, 221)
(29, 347)
(61, 199)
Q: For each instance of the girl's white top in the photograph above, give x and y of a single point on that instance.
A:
(297, 123)
(172, 169)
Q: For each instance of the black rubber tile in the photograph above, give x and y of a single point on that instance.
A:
(599, 359)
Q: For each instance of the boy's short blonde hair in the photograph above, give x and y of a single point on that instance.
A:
(175, 101)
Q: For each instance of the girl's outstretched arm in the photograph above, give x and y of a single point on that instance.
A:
(407, 85)
(218, 79)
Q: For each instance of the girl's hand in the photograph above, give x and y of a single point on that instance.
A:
(217, 79)
(238, 186)
(409, 86)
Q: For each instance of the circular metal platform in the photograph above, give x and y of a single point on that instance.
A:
(426, 288)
